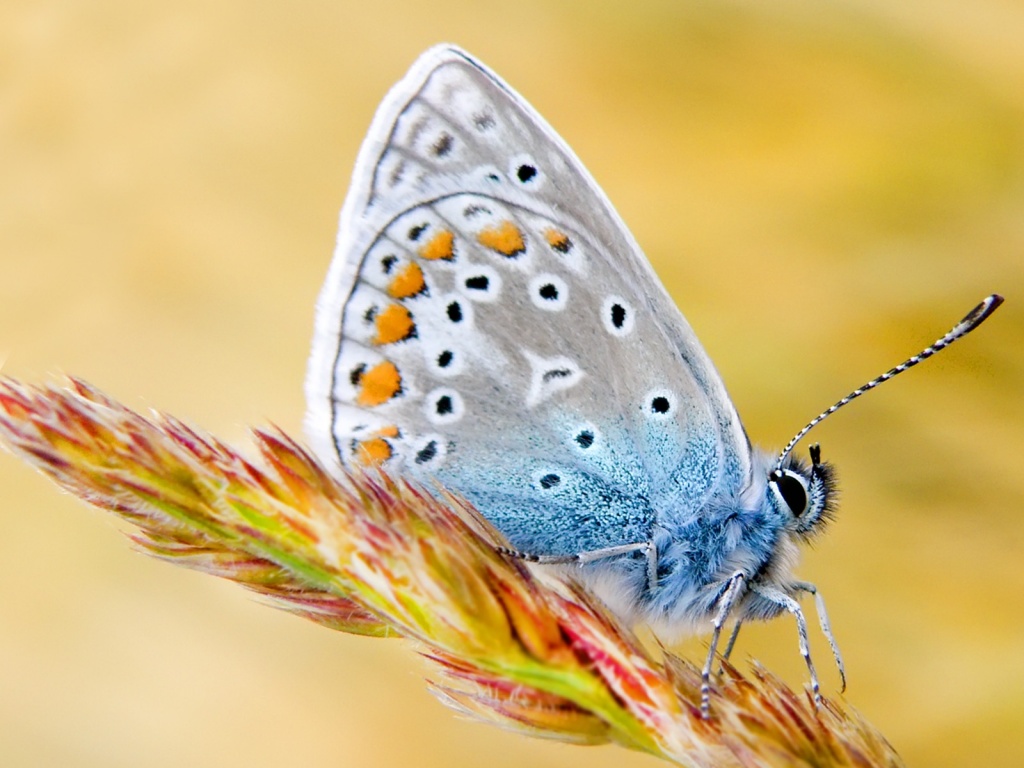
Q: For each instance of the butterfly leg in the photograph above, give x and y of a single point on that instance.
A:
(732, 643)
(780, 598)
(826, 628)
(733, 589)
(647, 547)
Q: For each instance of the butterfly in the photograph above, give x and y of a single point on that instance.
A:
(489, 323)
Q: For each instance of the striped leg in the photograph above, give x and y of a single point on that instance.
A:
(733, 590)
(780, 598)
(732, 642)
(826, 628)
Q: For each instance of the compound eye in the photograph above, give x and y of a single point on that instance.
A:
(792, 489)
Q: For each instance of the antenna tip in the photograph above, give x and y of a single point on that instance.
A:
(978, 315)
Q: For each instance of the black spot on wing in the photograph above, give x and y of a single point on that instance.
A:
(556, 373)
(548, 292)
(550, 481)
(443, 146)
(525, 173)
(427, 452)
(585, 438)
(618, 315)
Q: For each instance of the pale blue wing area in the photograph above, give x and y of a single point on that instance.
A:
(489, 323)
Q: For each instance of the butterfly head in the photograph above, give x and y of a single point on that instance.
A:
(804, 496)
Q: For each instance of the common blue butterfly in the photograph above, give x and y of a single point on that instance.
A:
(488, 322)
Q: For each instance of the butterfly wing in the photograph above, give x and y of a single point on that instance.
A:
(489, 321)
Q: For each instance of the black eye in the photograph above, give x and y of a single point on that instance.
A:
(791, 490)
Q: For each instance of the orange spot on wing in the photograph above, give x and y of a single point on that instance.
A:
(558, 240)
(505, 238)
(393, 324)
(440, 246)
(406, 283)
(374, 451)
(379, 384)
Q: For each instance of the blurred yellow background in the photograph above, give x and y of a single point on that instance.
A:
(824, 187)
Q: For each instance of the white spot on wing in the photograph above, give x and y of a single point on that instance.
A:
(479, 282)
(618, 316)
(524, 171)
(549, 292)
(443, 406)
(660, 404)
(429, 451)
(550, 375)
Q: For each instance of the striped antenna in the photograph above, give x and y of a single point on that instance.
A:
(973, 319)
